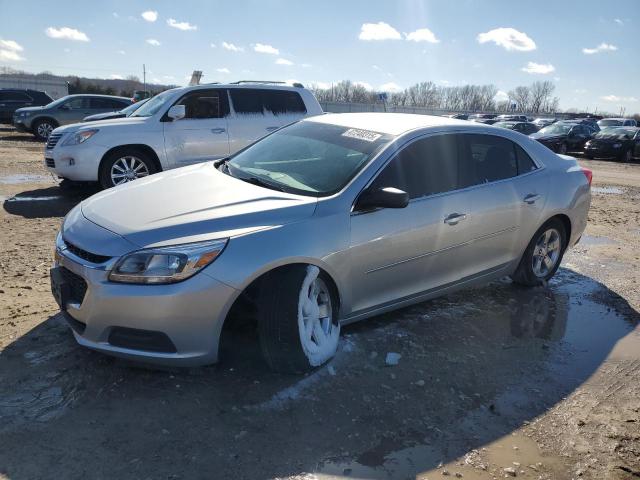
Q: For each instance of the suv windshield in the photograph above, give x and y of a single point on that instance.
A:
(309, 158)
(556, 129)
(133, 107)
(153, 105)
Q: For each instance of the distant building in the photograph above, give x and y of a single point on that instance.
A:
(55, 88)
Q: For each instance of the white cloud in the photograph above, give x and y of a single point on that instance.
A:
(501, 96)
(320, 85)
(367, 86)
(306, 65)
(150, 15)
(615, 98)
(115, 76)
(580, 91)
(10, 45)
(122, 52)
(603, 47)
(10, 56)
(153, 41)
(538, 68)
(508, 38)
(184, 26)
(115, 15)
(212, 45)
(376, 67)
(263, 48)
(223, 70)
(284, 61)
(378, 31)
(618, 21)
(231, 47)
(390, 87)
(422, 35)
(66, 33)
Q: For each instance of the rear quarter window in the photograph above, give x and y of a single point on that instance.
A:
(276, 102)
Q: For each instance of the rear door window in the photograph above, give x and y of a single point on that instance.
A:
(425, 167)
(486, 158)
(15, 97)
(259, 101)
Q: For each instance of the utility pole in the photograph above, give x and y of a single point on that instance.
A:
(144, 78)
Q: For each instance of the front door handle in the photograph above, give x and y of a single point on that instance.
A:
(454, 218)
(271, 129)
(218, 130)
(531, 198)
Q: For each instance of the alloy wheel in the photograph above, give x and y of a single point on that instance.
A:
(127, 169)
(317, 330)
(546, 253)
(44, 130)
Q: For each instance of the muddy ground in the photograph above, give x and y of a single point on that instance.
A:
(499, 381)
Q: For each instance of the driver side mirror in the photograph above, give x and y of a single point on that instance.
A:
(176, 112)
(388, 197)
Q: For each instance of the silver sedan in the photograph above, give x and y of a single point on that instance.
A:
(328, 221)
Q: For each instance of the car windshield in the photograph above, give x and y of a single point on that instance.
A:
(610, 123)
(308, 158)
(510, 125)
(133, 107)
(153, 105)
(57, 102)
(556, 129)
(619, 133)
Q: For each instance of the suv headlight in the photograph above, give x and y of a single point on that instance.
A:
(80, 137)
(166, 264)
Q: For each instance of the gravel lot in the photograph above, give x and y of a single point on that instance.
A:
(499, 381)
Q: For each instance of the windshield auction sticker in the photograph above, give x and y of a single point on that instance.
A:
(365, 135)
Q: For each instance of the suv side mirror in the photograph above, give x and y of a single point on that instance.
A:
(388, 197)
(176, 112)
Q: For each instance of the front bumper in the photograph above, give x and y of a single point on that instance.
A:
(20, 125)
(603, 151)
(189, 314)
(77, 162)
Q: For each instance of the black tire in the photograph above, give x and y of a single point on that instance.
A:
(43, 128)
(524, 274)
(278, 323)
(104, 173)
(626, 156)
(562, 150)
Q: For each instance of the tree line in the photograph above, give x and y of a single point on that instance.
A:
(535, 98)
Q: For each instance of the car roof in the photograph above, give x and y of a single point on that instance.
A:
(621, 119)
(249, 85)
(98, 95)
(390, 123)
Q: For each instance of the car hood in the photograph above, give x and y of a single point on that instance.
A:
(104, 116)
(191, 204)
(102, 124)
(29, 109)
(546, 137)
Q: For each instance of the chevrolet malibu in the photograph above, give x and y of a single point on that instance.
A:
(328, 221)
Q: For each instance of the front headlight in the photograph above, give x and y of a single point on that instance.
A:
(616, 145)
(166, 264)
(80, 137)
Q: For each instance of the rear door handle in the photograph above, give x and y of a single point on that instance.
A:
(218, 130)
(454, 218)
(531, 198)
(271, 129)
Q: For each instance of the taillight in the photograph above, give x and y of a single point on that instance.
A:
(588, 173)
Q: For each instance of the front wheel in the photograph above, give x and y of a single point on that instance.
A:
(626, 156)
(297, 320)
(543, 255)
(563, 149)
(43, 128)
(125, 166)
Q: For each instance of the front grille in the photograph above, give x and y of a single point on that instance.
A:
(53, 139)
(83, 254)
(50, 162)
(77, 285)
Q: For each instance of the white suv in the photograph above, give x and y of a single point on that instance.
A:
(175, 128)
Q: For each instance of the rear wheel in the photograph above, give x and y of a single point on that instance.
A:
(626, 157)
(297, 320)
(563, 149)
(543, 255)
(43, 128)
(125, 166)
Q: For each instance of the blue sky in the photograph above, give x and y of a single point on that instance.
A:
(588, 48)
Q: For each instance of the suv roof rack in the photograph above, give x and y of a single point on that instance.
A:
(272, 82)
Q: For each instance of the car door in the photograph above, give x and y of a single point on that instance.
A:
(398, 253)
(10, 101)
(202, 134)
(73, 110)
(103, 105)
(577, 137)
(503, 202)
(636, 145)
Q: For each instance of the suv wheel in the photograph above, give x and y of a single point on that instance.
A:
(298, 324)
(43, 128)
(543, 255)
(125, 166)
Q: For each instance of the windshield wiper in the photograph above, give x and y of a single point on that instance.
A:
(260, 182)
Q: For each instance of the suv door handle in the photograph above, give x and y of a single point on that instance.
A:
(454, 218)
(218, 130)
(271, 129)
(531, 198)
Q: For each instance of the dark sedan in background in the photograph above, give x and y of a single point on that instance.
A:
(125, 112)
(12, 99)
(526, 128)
(622, 143)
(563, 137)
